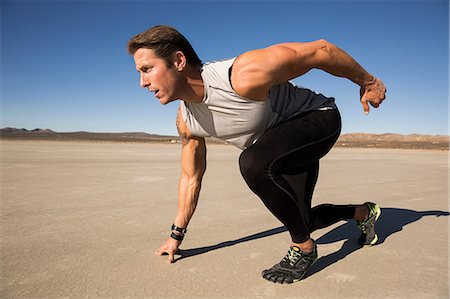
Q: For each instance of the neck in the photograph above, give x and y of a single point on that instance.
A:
(195, 90)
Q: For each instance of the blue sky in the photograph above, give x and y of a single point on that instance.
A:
(65, 67)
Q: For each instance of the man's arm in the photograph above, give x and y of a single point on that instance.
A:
(255, 72)
(193, 166)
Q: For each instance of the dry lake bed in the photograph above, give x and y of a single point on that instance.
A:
(83, 219)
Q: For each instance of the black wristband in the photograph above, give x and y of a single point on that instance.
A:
(179, 229)
(176, 237)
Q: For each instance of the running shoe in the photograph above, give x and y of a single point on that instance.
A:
(292, 267)
(367, 226)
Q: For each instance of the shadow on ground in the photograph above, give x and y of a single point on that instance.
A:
(391, 221)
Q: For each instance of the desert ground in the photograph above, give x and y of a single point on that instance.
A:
(83, 219)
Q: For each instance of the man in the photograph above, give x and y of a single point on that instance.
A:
(282, 129)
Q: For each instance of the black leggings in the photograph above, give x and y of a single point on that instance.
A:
(282, 169)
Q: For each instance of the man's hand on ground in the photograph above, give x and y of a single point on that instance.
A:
(169, 247)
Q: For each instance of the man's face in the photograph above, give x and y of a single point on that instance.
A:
(156, 76)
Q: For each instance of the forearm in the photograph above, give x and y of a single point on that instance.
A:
(188, 194)
(338, 63)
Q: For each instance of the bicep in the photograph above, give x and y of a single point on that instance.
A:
(193, 152)
(261, 69)
(291, 60)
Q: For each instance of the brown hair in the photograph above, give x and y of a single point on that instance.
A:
(164, 41)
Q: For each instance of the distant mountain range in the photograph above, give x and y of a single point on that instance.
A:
(47, 134)
(414, 141)
(389, 140)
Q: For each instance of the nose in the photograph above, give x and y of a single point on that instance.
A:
(144, 82)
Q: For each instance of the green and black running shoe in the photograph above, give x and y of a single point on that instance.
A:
(367, 226)
(292, 267)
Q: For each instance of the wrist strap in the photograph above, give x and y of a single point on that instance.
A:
(176, 237)
(179, 229)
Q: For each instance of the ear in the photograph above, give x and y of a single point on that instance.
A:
(180, 61)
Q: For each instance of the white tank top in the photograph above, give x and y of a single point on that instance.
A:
(240, 121)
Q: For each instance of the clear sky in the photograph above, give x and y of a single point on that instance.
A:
(65, 67)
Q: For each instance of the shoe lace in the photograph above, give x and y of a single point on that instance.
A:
(366, 222)
(292, 257)
(362, 226)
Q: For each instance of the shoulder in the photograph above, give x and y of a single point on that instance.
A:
(183, 131)
(250, 76)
